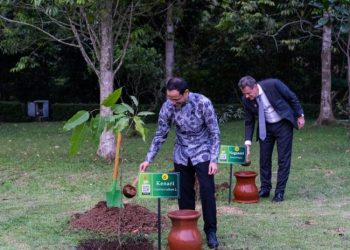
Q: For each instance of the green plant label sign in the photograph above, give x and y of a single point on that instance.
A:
(158, 185)
(232, 154)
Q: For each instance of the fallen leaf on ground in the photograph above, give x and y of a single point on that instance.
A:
(229, 210)
(329, 173)
(311, 223)
(339, 230)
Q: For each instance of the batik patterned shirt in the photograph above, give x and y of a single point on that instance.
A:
(196, 127)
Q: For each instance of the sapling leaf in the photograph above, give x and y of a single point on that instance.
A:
(76, 139)
(97, 124)
(121, 124)
(77, 119)
(134, 100)
(110, 100)
(139, 127)
(119, 108)
(322, 21)
(145, 113)
(129, 108)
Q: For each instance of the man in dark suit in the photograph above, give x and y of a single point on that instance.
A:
(278, 110)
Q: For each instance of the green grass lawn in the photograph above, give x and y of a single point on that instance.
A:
(41, 187)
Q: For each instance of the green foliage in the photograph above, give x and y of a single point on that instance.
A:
(134, 100)
(344, 28)
(124, 117)
(323, 21)
(227, 113)
(328, 7)
(76, 139)
(18, 19)
(248, 22)
(77, 119)
(24, 62)
(63, 111)
(145, 113)
(291, 43)
(129, 108)
(38, 3)
(112, 98)
(140, 127)
(12, 112)
(311, 111)
(343, 109)
(142, 67)
(245, 41)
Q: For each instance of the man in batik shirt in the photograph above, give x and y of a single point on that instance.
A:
(196, 148)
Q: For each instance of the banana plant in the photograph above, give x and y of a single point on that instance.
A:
(85, 123)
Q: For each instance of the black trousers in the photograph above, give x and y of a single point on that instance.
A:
(282, 133)
(207, 192)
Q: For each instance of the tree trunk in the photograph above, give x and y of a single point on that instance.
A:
(169, 42)
(169, 51)
(326, 114)
(106, 146)
(348, 73)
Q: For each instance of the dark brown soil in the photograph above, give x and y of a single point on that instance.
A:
(129, 191)
(222, 187)
(141, 244)
(130, 219)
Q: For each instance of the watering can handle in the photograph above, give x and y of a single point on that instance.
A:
(116, 159)
(135, 182)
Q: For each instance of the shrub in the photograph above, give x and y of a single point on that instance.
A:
(64, 111)
(229, 112)
(12, 112)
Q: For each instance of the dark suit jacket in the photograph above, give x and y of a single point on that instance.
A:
(282, 99)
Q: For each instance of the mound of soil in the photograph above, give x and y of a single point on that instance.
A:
(141, 244)
(132, 218)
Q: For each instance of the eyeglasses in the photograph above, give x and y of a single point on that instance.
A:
(175, 99)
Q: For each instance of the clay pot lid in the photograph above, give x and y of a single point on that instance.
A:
(184, 214)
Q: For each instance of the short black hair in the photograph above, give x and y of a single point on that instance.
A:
(246, 81)
(177, 83)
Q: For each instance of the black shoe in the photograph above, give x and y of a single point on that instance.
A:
(264, 193)
(212, 241)
(278, 197)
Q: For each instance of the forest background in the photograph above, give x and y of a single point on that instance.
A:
(210, 43)
(78, 51)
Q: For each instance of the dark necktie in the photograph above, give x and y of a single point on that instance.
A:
(262, 124)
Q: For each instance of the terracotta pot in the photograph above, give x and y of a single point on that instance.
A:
(245, 190)
(184, 233)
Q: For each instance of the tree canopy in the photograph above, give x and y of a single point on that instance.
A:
(122, 43)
